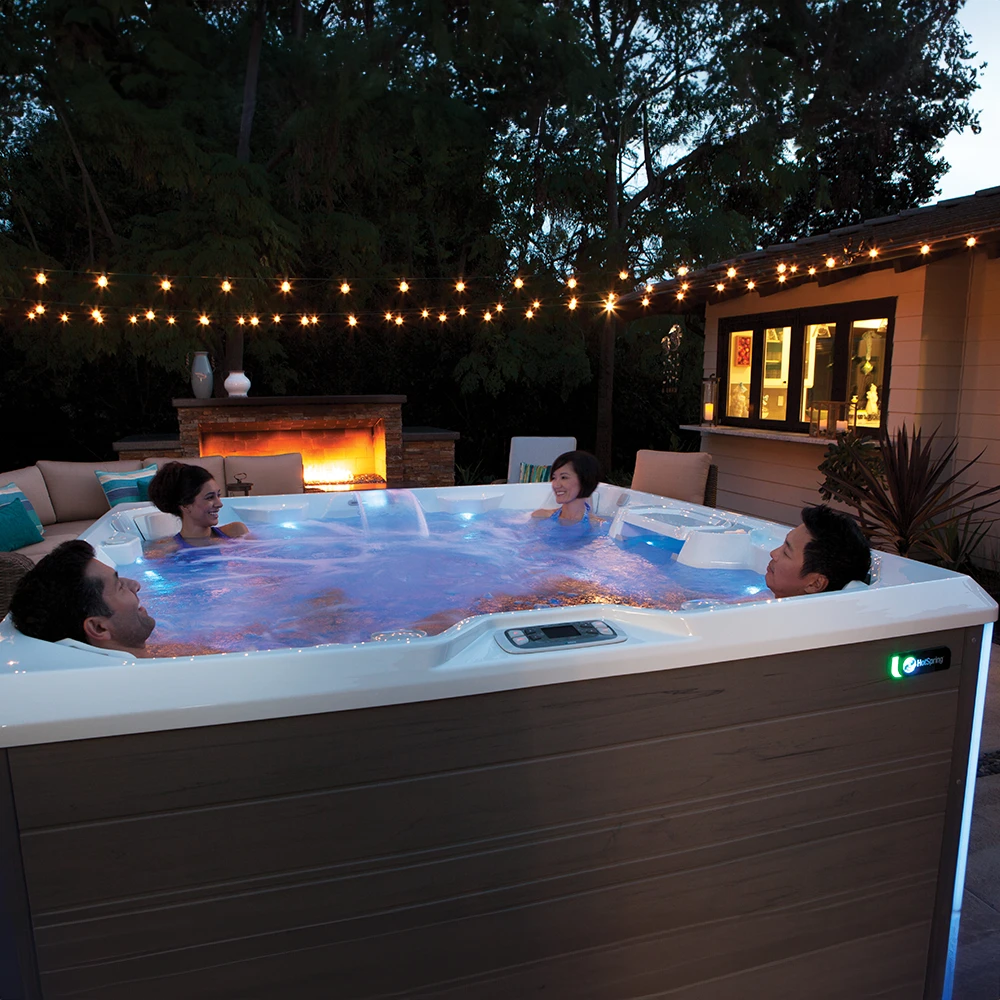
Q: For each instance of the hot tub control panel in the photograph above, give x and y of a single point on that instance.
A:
(537, 638)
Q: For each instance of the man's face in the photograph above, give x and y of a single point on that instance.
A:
(129, 625)
(784, 572)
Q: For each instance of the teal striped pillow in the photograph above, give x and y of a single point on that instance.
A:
(126, 487)
(13, 492)
(534, 473)
(16, 527)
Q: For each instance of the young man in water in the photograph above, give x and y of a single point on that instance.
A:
(71, 594)
(825, 552)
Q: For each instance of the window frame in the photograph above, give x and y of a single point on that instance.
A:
(839, 314)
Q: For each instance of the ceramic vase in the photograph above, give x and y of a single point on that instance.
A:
(202, 379)
(237, 384)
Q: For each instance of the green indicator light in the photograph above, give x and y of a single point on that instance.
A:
(894, 667)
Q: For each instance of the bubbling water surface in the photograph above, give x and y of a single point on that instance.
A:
(311, 582)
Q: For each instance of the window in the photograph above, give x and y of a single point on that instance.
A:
(775, 366)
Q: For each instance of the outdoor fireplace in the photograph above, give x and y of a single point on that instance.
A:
(346, 442)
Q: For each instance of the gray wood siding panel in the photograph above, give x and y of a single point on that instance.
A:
(751, 809)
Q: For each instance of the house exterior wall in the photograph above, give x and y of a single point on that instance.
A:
(936, 378)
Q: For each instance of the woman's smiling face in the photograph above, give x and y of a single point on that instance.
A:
(203, 511)
(565, 483)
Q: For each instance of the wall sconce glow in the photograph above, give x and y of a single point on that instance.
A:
(40, 278)
(345, 288)
(96, 316)
(166, 285)
(102, 281)
(226, 286)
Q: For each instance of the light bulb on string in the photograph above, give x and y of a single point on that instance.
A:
(424, 313)
(313, 320)
(254, 320)
(794, 268)
(536, 305)
(442, 317)
(459, 286)
(751, 285)
(680, 295)
(64, 317)
(682, 270)
(404, 286)
(133, 319)
(720, 287)
(388, 317)
(519, 282)
(226, 286)
(399, 319)
(645, 300)
(166, 285)
(352, 320)
(571, 283)
(102, 281)
(623, 275)
(276, 318)
(40, 309)
(925, 249)
(304, 320)
(782, 268)
(782, 278)
(971, 241)
(31, 314)
(684, 286)
(203, 320)
(730, 272)
(649, 288)
(41, 278)
(572, 303)
(499, 307)
(150, 315)
(812, 271)
(831, 262)
(461, 311)
(529, 313)
(487, 316)
(873, 253)
(285, 286)
(171, 320)
(241, 320)
(345, 288)
(97, 316)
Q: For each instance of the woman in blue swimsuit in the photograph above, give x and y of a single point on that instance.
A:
(574, 479)
(190, 492)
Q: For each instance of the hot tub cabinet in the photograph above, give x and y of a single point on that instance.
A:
(732, 803)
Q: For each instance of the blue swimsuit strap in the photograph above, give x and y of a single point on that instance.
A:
(586, 514)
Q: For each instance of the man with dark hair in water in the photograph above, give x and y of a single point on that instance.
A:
(71, 594)
(825, 552)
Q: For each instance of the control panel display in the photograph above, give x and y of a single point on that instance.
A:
(537, 638)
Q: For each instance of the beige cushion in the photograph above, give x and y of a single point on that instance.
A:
(271, 475)
(30, 482)
(680, 475)
(55, 535)
(213, 463)
(74, 490)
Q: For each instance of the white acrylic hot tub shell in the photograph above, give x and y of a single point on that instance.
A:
(50, 693)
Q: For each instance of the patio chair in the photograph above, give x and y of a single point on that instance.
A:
(680, 475)
(536, 451)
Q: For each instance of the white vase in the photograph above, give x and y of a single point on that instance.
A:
(236, 384)
(202, 379)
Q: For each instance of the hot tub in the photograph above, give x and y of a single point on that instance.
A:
(765, 799)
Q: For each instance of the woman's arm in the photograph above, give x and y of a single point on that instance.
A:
(234, 529)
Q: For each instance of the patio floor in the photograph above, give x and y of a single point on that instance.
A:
(977, 973)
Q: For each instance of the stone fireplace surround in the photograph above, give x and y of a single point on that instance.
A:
(413, 457)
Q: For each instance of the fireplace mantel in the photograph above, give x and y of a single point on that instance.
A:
(292, 401)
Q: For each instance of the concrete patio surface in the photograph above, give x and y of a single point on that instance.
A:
(977, 973)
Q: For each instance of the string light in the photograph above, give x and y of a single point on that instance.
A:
(388, 317)
(971, 241)
(40, 309)
(731, 272)
(345, 288)
(399, 321)
(461, 311)
(830, 262)
(241, 320)
(352, 320)
(536, 305)
(609, 303)
(925, 249)
(487, 316)
(794, 268)
(571, 283)
(403, 286)
(459, 286)
(529, 313)
(171, 320)
(782, 268)
(226, 286)
(812, 271)
(97, 316)
(203, 319)
(133, 319)
(751, 285)
(499, 307)
(682, 270)
(304, 320)
(254, 321)
(276, 318)
(286, 286)
(165, 285)
(442, 317)
(40, 278)
(519, 282)
(64, 317)
(680, 295)
(684, 286)
(150, 314)
(649, 288)
(720, 287)
(623, 275)
(102, 281)
(873, 253)
(313, 320)
(572, 303)
(645, 300)
(782, 278)
(31, 314)
(425, 313)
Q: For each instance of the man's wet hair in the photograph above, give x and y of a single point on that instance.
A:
(53, 599)
(838, 549)
(586, 469)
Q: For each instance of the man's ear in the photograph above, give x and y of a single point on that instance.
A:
(816, 583)
(96, 630)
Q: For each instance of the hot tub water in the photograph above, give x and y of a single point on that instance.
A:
(397, 569)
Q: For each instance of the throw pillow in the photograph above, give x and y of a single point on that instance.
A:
(13, 492)
(534, 473)
(16, 527)
(126, 487)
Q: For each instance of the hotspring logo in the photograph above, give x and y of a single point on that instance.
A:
(921, 661)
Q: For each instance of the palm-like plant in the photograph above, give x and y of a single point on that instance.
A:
(912, 496)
